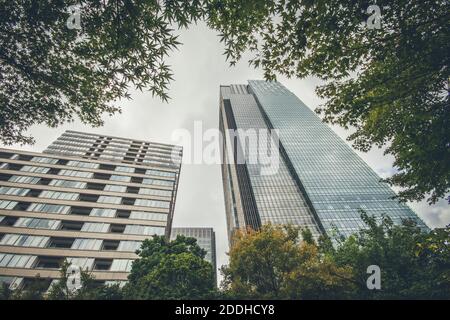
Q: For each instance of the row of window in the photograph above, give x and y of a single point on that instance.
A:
(29, 261)
(51, 224)
(83, 185)
(121, 141)
(91, 165)
(95, 212)
(38, 223)
(21, 240)
(71, 196)
(85, 151)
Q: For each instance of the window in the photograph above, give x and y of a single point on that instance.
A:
(59, 195)
(110, 245)
(48, 208)
(65, 243)
(160, 173)
(115, 188)
(158, 182)
(100, 212)
(125, 169)
(121, 265)
(152, 203)
(22, 240)
(36, 223)
(82, 164)
(115, 177)
(35, 169)
(71, 225)
(117, 228)
(76, 173)
(68, 184)
(130, 246)
(13, 191)
(83, 263)
(7, 205)
(143, 230)
(102, 264)
(87, 244)
(8, 155)
(48, 262)
(17, 260)
(24, 179)
(109, 199)
(155, 192)
(95, 227)
(142, 215)
(44, 160)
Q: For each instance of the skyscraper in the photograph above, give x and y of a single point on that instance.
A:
(320, 183)
(89, 198)
(206, 239)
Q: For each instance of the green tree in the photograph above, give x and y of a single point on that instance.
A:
(170, 270)
(50, 73)
(414, 264)
(90, 289)
(389, 83)
(274, 263)
(34, 290)
(5, 292)
(60, 290)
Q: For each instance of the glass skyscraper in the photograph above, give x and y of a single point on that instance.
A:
(91, 199)
(320, 182)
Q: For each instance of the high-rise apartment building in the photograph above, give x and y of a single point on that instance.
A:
(206, 239)
(90, 199)
(319, 183)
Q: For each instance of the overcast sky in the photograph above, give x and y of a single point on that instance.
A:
(199, 68)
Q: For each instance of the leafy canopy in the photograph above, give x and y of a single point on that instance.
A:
(389, 84)
(50, 73)
(276, 263)
(414, 264)
(170, 270)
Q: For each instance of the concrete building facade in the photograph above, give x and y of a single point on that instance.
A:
(90, 199)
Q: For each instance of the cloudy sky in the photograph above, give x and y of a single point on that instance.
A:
(199, 67)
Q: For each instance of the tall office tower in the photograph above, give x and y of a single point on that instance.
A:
(90, 199)
(320, 183)
(206, 239)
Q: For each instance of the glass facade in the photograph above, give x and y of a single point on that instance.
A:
(323, 183)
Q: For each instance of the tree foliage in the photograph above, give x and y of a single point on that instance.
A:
(50, 73)
(389, 83)
(38, 288)
(414, 264)
(90, 289)
(276, 263)
(171, 270)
